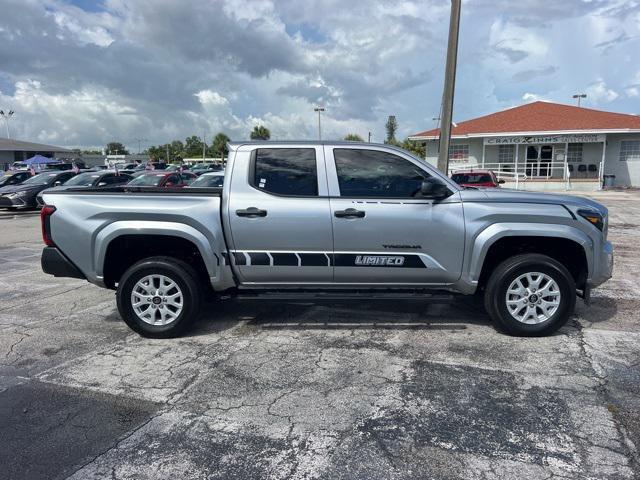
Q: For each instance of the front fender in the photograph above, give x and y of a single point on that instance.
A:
(136, 227)
(480, 245)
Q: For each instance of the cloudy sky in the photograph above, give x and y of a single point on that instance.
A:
(82, 72)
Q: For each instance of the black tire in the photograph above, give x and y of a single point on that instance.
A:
(508, 271)
(186, 279)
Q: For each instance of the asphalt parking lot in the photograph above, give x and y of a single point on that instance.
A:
(343, 391)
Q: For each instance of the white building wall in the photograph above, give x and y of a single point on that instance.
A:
(475, 151)
(627, 173)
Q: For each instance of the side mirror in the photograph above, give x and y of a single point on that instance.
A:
(102, 184)
(168, 184)
(501, 181)
(435, 189)
(57, 183)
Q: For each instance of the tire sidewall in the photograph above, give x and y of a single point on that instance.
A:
(557, 320)
(180, 276)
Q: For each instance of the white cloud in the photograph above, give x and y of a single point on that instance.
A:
(598, 92)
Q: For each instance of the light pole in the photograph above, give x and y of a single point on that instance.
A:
(139, 140)
(579, 96)
(369, 137)
(319, 110)
(6, 117)
(449, 87)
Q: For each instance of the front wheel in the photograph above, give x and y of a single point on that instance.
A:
(530, 295)
(159, 297)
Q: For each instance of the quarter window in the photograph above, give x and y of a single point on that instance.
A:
(459, 152)
(371, 173)
(629, 150)
(574, 152)
(286, 171)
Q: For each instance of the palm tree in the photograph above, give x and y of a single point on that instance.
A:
(260, 132)
(219, 145)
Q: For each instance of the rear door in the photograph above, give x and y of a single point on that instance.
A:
(384, 232)
(279, 218)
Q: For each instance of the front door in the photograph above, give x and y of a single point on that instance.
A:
(279, 216)
(384, 233)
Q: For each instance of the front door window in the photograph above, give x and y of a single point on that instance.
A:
(539, 158)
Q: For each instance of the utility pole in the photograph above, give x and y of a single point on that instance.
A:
(369, 137)
(139, 140)
(580, 96)
(449, 87)
(6, 117)
(319, 110)
(204, 145)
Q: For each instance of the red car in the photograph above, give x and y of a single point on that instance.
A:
(163, 179)
(476, 178)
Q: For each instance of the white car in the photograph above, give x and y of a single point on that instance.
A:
(211, 179)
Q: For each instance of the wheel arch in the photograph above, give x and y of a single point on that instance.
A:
(568, 245)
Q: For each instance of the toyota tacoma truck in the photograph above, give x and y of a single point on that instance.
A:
(328, 220)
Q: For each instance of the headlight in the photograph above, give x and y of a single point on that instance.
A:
(594, 218)
(15, 195)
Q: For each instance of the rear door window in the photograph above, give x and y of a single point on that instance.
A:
(285, 171)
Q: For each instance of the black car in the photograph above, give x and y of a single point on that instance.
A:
(24, 195)
(14, 178)
(102, 179)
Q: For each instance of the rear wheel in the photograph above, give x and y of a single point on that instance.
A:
(530, 295)
(159, 297)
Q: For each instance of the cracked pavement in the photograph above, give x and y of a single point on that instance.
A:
(301, 391)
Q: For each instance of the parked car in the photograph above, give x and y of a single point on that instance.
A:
(14, 178)
(307, 221)
(24, 194)
(102, 179)
(476, 178)
(162, 179)
(211, 179)
(200, 169)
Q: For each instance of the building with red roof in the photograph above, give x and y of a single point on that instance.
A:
(548, 142)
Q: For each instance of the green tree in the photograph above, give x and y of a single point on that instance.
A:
(219, 145)
(392, 127)
(115, 148)
(260, 132)
(193, 146)
(353, 137)
(417, 148)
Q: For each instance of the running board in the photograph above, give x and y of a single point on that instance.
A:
(430, 296)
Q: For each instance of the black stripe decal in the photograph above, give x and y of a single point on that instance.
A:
(260, 259)
(383, 261)
(239, 258)
(314, 260)
(285, 259)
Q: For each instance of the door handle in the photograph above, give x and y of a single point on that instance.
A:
(349, 213)
(251, 212)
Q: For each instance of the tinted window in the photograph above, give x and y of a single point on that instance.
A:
(147, 180)
(370, 173)
(84, 179)
(173, 180)
(209, 181)
(112, 179)
(286, 171)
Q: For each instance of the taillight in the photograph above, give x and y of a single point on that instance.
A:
(45, 221)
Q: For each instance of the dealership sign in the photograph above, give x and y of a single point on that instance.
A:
(537, 139)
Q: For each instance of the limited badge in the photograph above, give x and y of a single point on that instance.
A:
(379, 261)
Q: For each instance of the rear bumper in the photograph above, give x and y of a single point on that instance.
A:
(55, 263)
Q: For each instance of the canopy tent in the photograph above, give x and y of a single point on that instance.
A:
(39, 160)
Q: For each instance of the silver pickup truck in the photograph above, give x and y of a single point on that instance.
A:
(328, 220)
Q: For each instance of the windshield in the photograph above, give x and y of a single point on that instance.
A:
(149, 180)
(41, 179)
(208, 181)
(472, 178)
(84, 179)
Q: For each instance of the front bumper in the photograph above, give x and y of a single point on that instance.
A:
(6, 202)
(604, 265)
(55, 263)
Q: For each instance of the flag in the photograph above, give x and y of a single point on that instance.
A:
(32, 170)
(117, 172)
(75, 168)
(181, 169)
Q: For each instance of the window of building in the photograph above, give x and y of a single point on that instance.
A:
(286, 171)
(459, 152)
(574, 153)
(629, 150)
(506, 153)
(371, 173)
